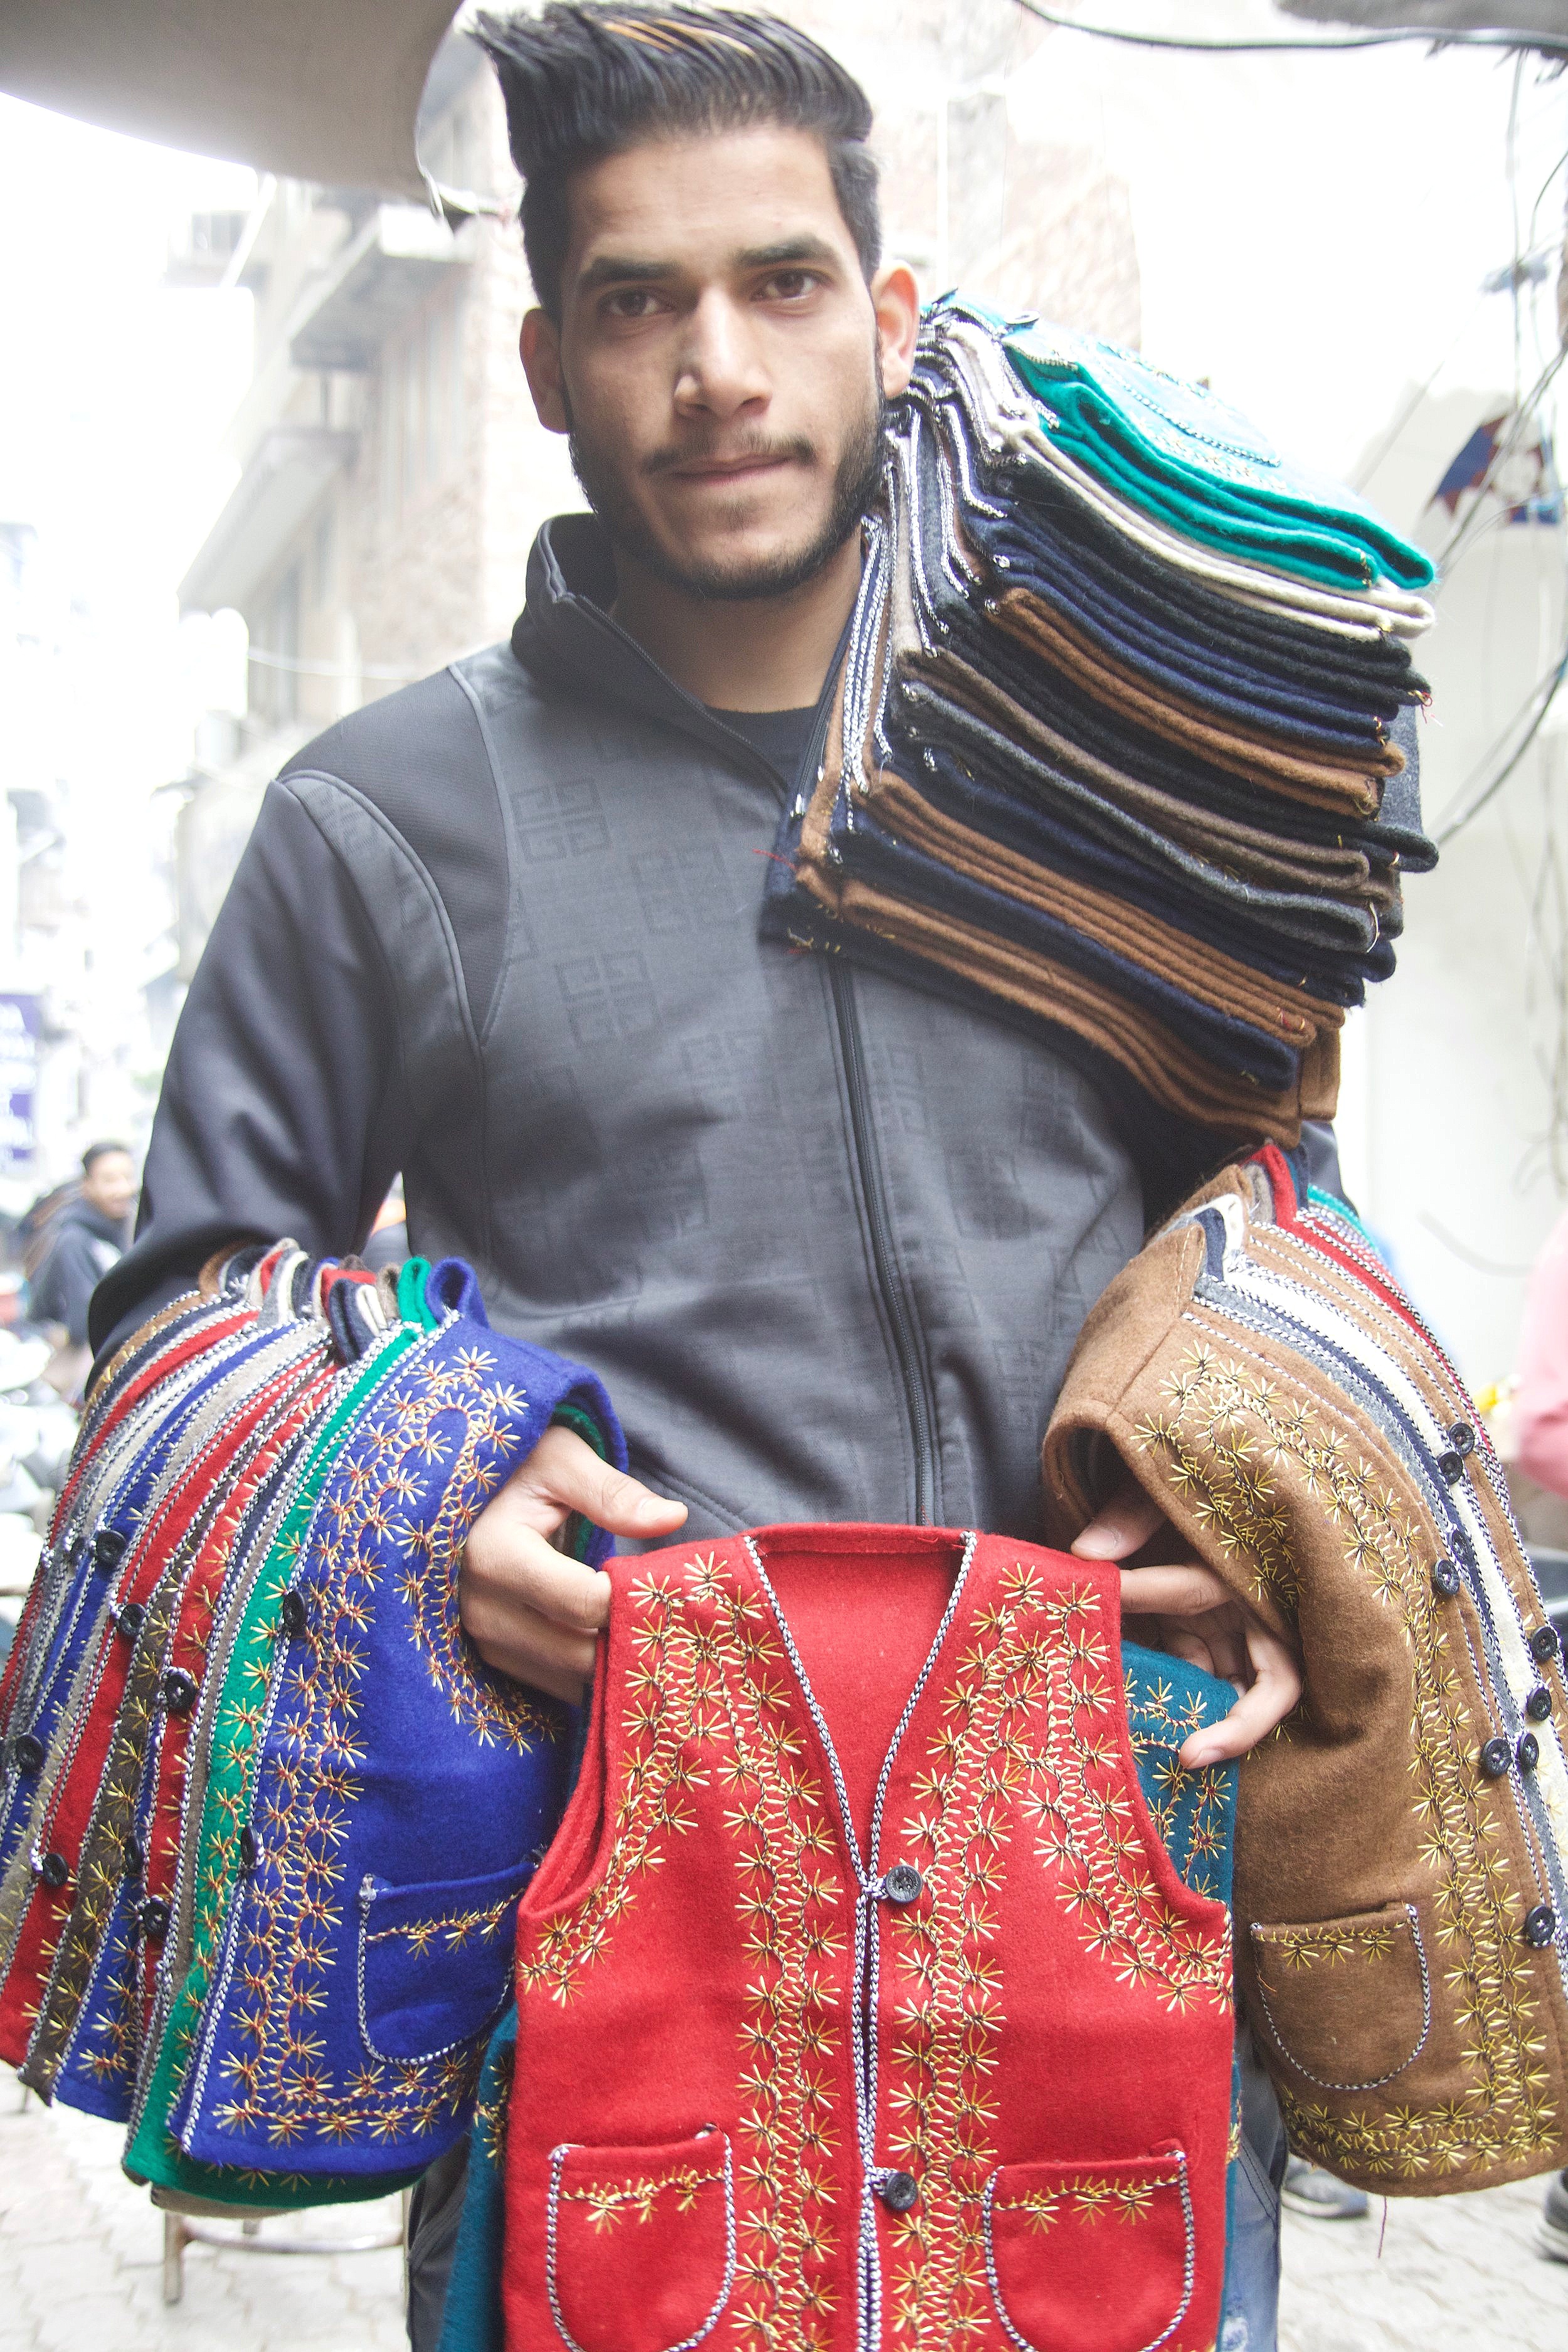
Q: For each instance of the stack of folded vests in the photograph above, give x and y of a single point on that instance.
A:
(265, 1818)
(1124, 733)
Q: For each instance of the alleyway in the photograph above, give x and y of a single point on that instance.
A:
(81, 2262)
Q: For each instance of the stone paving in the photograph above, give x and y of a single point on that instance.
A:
(82, 2258)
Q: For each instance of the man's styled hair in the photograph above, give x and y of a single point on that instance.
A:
(587, 79)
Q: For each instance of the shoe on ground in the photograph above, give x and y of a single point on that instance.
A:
(1309, 2189)
(1551, 2233)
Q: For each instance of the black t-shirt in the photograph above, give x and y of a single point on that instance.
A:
(780, 736)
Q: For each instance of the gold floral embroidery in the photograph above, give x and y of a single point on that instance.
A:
(710, 1701)
(608, 2202)
(1303, 1947)
(1028, 1729)
(429, 1420)
(453, 1928)
(1224, 1410)
(1088, 2197)
(493, 2106)
(1187, 1806)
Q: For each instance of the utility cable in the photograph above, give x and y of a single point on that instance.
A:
(1435, 36)
(1551, 682)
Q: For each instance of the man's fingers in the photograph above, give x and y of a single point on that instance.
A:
(1276, 1689)
(564, 1473)
(529, 1612)
(1182, 1590)
(1126, 1522)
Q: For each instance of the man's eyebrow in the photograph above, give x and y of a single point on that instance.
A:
(788, 250)
(621, 270)
(618, 269)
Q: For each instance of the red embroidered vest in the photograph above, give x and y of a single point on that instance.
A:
(858, 2000)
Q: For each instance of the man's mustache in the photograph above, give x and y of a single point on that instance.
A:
(756, 449)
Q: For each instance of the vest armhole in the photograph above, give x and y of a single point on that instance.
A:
(574, 1856)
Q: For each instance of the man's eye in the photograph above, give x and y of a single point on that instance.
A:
(631, 302)
(789, 285)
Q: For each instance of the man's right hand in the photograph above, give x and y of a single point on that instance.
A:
(530, 1612)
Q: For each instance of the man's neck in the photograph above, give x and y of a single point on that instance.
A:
(770, 654)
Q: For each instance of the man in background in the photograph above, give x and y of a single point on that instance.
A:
(88, 1234)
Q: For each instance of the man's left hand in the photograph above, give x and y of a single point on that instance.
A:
(1188, 1611)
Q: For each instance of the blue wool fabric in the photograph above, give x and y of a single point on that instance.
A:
(403, 1795)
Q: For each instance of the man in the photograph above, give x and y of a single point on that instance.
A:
(828, 1239)
(86, 1237)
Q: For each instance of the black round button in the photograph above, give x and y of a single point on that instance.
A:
(154, 1919)
(291, 1614)
(75, 1550)
(1528, 1753)
(1462, 1438)
(1540, 1925)
(54, 1870)
(1451, 1468)
(1537, 1705)
(128, 1624)
(1544, 1642)
(1495, 1759)
(134, 1857)
(29, 1751)
(179, 1691)
(903, 1883)
(898, 2192)
(248, 1848)
(108, 1550)
(1445, 1578)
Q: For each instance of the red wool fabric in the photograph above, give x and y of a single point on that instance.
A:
(64, 1823)
(821, 2053)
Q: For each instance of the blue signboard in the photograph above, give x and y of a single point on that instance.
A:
(21, 1018)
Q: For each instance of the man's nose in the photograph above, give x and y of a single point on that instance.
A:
(720, 371)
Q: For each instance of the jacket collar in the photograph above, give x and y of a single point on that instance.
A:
(565, 640)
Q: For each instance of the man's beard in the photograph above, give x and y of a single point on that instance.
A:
(855, 485)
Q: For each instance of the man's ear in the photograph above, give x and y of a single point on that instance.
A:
(539, 345)
(895, 298)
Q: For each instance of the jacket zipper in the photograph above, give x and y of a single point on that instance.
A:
(919, 1410)
(917, 1403)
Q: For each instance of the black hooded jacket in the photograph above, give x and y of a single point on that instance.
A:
(827, 1237)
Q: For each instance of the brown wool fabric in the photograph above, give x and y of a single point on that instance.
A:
(1172, 1072)
(1206, 975)
(1354, 788)
(1387, 1953)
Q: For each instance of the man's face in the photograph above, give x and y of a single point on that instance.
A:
(717, 362)
(110, 1184)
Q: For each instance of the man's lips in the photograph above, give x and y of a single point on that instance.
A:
(729, 469)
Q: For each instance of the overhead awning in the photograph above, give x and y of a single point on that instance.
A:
(291, 466)
(318, 89)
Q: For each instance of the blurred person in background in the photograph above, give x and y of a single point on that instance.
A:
(86, 1235)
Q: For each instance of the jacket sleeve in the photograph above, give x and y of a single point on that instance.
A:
(285, 1107)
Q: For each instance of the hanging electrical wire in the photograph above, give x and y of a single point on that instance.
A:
(1542, 694)
(1435, 37)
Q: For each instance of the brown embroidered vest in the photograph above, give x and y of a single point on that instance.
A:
(858, 2001)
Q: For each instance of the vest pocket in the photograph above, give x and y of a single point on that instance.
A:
(1090, 2257)
(1347, 2002)
(435, 1960)
(640, 2243)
